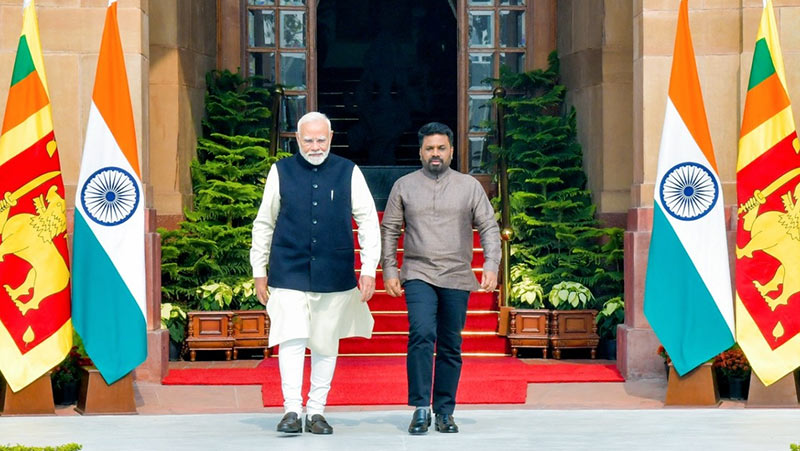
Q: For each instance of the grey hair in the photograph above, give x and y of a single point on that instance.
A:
(313, 116)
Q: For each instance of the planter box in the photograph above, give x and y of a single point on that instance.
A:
(250, 331)
(573, 329)
(529, 328)
(210, 331)
(504, 322)
(228, 331)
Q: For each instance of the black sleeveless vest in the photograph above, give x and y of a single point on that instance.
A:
(312, 245)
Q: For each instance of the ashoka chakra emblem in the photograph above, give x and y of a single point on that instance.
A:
(688, 191)
(110, 196)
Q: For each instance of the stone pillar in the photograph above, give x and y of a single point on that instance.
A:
(155, 367)
(183, 46)
(595, 44)
(719, 30)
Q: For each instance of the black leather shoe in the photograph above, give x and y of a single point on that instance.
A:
(420, 422)
(290, 424)
(445, 423)
(318, 425)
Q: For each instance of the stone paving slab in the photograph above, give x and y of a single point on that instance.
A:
(649, 429)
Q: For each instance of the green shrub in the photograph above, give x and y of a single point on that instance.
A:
(65, 447)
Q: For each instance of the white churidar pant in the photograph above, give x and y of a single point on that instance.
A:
(291, 357)
(315, 320)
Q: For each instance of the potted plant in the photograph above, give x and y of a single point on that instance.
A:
(572, 322)
(611, 315)
(662, 352)
(231, 319)
(735, 370)
(529, 319)
(65, 378)
(174, 320)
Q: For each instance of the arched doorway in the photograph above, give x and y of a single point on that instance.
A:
(384, 68)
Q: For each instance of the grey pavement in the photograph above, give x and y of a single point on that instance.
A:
(525, 429)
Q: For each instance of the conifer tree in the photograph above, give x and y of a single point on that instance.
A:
(556, 235)
(211, 247)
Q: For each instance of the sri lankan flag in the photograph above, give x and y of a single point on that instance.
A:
(35, 325)
(768, 235)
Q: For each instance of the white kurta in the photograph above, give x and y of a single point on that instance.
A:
(322, 318)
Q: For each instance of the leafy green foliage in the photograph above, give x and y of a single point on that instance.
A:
(69, 370)
(212, 245)
(524, 291)
(65, 447)
(219, 295)
(612, 313)
(570, 296)
(174, 319)
(556, 235)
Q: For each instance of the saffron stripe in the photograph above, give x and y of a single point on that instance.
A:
(684, 88)
(25, 98)
(763, 101)
(111, 79)
(26, 134)
(765, 137)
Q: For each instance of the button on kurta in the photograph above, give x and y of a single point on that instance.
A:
(315, 186)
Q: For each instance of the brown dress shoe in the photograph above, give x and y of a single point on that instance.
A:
(318, 425)
(290, 424)
(445, 423)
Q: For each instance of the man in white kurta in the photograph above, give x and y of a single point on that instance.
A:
(303, 232)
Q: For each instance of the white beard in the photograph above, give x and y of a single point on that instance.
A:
(315, 160)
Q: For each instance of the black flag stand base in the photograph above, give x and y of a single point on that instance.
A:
(35, 399)
(696, 388)
(96, 397)
(785, 392)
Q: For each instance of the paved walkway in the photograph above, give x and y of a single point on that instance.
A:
(569, 416)
(654, 429)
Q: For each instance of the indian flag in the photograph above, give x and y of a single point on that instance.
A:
(768, 234)
(108, 279)
(687, 298)
(35, 326)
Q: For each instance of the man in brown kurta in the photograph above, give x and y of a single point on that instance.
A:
(440, 207)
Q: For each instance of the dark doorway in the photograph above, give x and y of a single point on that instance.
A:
(385, 68)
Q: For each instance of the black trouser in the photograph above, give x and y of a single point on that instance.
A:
(435, 315)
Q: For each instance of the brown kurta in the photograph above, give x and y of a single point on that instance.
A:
(440, 213)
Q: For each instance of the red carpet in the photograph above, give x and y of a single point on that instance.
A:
(382, 380)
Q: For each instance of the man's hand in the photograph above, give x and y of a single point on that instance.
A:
(366, 284)
(393, 287)
(489, 280)
(261, 290)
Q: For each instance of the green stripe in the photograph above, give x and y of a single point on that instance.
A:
(677, 302)
(23, 64)
(104, 313)
(762, 64)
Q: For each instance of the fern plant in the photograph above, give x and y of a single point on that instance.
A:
(212, 245)
(556, 235)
